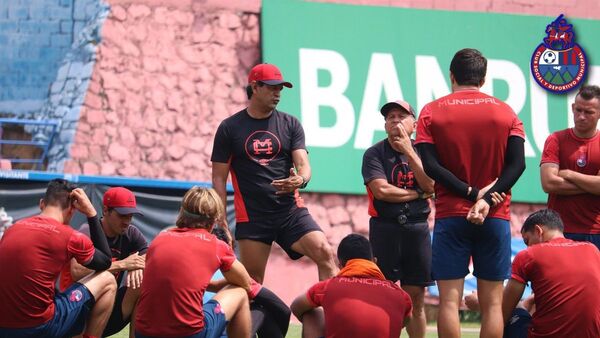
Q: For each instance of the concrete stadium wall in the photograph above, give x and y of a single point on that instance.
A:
(168, 71)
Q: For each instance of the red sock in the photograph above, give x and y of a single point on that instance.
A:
(89, 336)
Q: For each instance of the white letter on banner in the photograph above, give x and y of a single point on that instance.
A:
(510, 73)
(382, 76)
(312, 97)
(431, 81)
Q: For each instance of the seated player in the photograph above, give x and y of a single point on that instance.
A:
(358, 302)
(565, 276)
(128, 252)
(179, 265)
(32, 253)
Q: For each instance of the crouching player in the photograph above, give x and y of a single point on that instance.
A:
(358, 302)
(179, 265)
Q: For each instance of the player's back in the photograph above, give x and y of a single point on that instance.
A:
(565, 277)
(179, 265)
(470, 131)
(364, 307)
(32, 252)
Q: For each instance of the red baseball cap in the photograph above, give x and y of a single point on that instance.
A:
(396, 104)
(122, 200)
(267, 73)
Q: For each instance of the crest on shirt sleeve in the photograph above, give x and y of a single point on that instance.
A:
(559, 64)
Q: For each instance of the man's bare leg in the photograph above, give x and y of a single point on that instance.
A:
(129, 306)
(417, 326)
(235, 305)
(490, 302)
(451, 291)
(103, 287)
(315, 246)
(254, 255)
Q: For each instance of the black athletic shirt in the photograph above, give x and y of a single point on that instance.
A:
(122, 246)
(381, 161)
(259, 151)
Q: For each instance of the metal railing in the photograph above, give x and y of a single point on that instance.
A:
(42, 133)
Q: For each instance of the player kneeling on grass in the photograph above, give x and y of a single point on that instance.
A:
(32, 253)
(179, 265)
(565, 276)
(358, 302)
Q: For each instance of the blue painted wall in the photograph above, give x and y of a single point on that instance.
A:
(35, 36)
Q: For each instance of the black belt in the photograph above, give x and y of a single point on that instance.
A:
(403, 219)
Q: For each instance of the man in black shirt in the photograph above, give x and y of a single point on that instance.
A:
(398, 189)
(265, 153)
(128, 248)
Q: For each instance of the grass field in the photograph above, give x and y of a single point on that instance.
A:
(470, 330)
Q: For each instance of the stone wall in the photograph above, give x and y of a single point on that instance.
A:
(70, 86)
(164, 79)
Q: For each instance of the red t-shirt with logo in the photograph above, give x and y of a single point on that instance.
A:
(32, 254)
(580, 213)
(179, 265)
(259, 151)
(565, 278)
(470, 131)
(361, 307)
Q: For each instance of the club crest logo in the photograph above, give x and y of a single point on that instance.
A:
(262, 146)
(75, 296)
(402, 177)
(559, 64)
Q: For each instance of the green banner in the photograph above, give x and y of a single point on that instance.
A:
(346, 61)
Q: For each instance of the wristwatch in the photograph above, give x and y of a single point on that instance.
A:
(304, 182)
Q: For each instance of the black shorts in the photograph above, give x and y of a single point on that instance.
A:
(116, 323)
(283, 229)
(403, 251)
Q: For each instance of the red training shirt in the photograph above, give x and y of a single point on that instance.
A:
(580, 213)
(361, 307)
(179, 265)
(32, 254)
(565, 278)
(470, 131)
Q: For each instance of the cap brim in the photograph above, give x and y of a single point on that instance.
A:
(393, 105)
(278, 82)
(128, 211)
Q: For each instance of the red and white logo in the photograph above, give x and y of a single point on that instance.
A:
(402, 176)
(559, 64)
(75, 296)
(262, 146)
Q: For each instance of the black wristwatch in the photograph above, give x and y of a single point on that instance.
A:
(304, 182)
